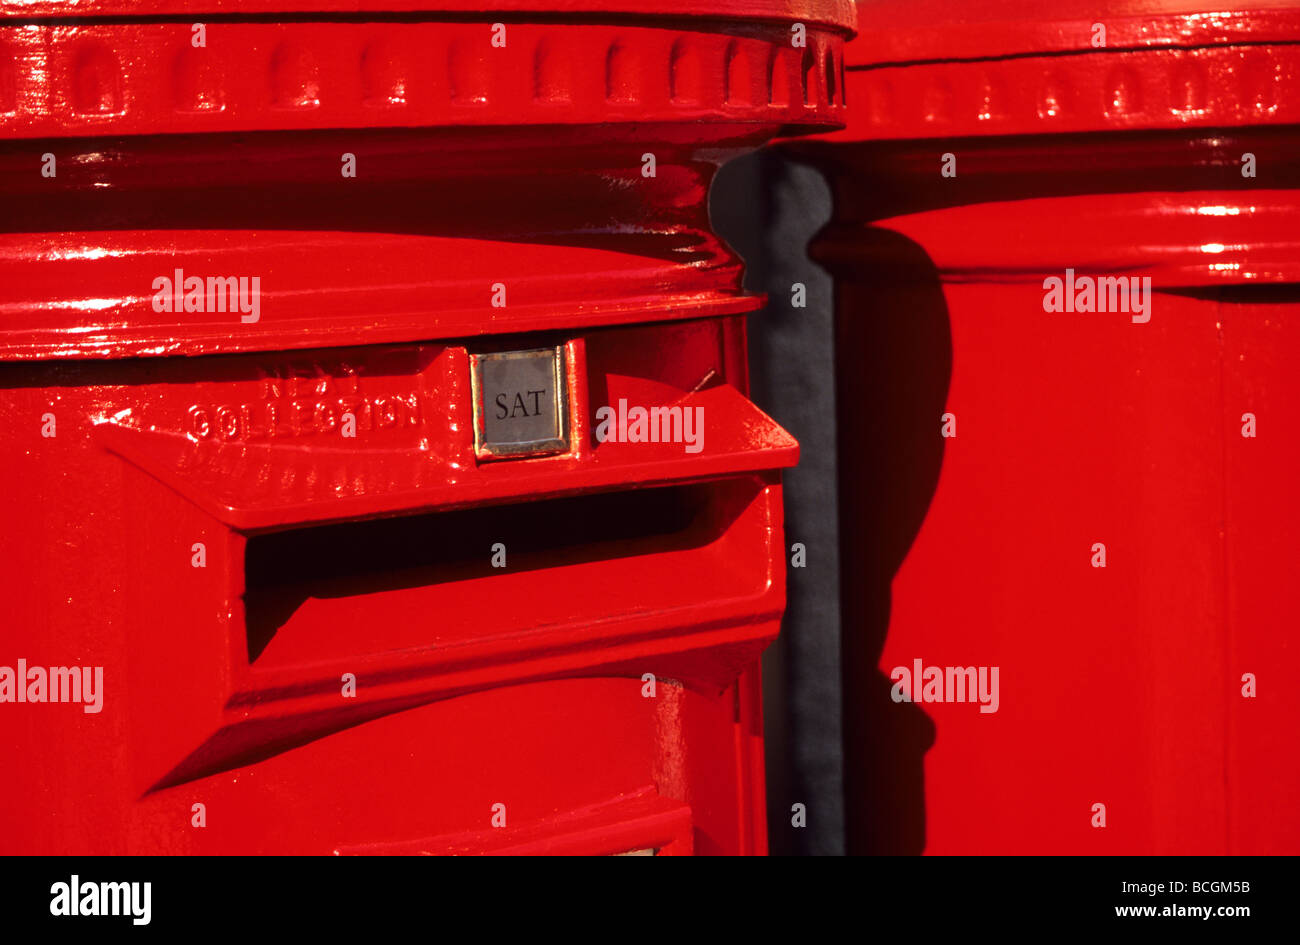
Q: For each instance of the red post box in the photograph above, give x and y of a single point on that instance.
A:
(1065, 261)
(380, 474)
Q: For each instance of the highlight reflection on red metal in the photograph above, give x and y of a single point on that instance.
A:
(186, 513)
(1120, 685)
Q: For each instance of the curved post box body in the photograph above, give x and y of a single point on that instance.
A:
(380, 473)
(1066, 264)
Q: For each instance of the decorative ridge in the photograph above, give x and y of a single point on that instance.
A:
(149, 78)
(1156, 88)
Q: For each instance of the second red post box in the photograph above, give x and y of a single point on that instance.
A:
(1065, 270)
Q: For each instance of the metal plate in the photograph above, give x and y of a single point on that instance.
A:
(520, 402)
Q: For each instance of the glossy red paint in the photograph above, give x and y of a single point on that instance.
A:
(1119, 685)
(180, 434)
(839, 14)
(922, 70)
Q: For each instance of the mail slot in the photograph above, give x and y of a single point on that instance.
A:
(375, 425)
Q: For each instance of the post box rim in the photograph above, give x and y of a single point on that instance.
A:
(903, 32)
(839, 14)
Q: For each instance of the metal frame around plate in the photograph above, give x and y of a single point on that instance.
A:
(545, 447)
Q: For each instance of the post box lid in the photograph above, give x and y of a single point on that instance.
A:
(571, 162)
(98, 68)
(916, 31)
(932, 69)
